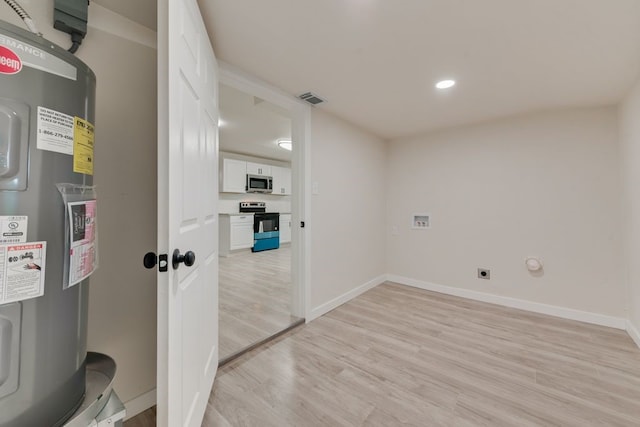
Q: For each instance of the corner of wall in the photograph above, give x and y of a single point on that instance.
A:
(344, 298)
(633, 332)
(629, 140)
(140, 404)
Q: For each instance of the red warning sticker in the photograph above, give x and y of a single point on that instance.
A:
(10, 63)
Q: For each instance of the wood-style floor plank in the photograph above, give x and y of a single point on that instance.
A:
(254, 297)
(403, 356)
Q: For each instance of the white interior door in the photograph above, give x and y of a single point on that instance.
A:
(187, 214)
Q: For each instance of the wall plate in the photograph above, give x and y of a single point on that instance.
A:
(421, 221)
(484, 273)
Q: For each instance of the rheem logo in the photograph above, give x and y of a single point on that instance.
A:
(10, 63)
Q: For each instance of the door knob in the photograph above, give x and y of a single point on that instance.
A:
(189, 258)
(150, 260)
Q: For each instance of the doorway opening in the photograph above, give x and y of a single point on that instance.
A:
(258, 286)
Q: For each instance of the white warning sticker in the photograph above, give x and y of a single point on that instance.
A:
(22, 271)
(13, 229)
(55, 131)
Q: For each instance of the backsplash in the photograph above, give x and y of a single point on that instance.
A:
(230, 202)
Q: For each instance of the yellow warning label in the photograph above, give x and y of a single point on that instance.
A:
(82, 146)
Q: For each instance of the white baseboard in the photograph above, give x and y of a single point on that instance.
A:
(336, 302)
(140, 404)
(633, 333)
(551, 310)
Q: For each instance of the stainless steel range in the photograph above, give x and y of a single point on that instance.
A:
(266, 226)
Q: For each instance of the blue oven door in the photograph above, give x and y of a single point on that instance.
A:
(266, 234)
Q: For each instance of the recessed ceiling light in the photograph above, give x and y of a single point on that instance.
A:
(285, 143)
(445, 84)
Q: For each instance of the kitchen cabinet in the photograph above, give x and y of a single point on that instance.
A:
(234, 176)
(236, 232)
(285, 228)
(258, 169)
(281, 181)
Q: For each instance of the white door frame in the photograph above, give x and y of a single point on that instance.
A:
(300, 114)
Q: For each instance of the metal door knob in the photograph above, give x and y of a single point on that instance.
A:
(189, 258)
(150, 260)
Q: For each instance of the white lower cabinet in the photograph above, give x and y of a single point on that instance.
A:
(285, 228)
(236, 232)
(241, 236)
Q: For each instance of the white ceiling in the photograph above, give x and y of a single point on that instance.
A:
(144, 12)
(252, 126)
(376, 61)
(248, 125)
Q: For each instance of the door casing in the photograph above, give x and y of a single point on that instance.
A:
(300, 114)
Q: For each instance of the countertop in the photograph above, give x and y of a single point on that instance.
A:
(249, 213)
(237, 214)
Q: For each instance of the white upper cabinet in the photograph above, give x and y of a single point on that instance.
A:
(234, 176)
(258, 169)
(281, 181)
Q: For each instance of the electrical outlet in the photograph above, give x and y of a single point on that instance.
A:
(484, 273)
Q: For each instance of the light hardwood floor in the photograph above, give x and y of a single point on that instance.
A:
(255, 297)
(402, 356)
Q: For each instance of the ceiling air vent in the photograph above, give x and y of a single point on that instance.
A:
(311, 98)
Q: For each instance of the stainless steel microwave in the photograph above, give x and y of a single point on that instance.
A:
(259, 184)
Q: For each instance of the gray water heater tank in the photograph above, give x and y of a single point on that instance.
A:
(42, 339)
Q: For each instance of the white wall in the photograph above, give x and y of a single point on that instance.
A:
(348, 213)
(630, 157)
(122, 306)
(543, 185)
(122, 309)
